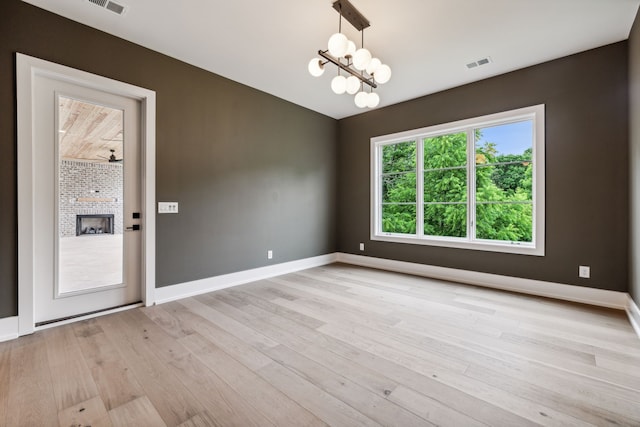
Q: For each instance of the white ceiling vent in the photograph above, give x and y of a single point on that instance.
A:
(110, 5)
(470, 65)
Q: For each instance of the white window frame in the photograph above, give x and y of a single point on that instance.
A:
(535, 247)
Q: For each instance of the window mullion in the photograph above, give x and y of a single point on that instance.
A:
(378, 189)
(420, 188)
(471, 185)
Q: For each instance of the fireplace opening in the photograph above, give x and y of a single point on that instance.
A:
(94, 224)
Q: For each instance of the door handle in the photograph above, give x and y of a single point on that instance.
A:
(134, 227)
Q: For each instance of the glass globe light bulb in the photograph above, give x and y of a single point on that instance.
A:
(382, 74)
(373, 100)
(361, 59)
(351, 49)
(338, 45)
(353, 84)
(373, 66)
(339, 85)
(361, 99)
(316, 69)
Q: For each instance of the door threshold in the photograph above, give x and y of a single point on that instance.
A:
(65, 320)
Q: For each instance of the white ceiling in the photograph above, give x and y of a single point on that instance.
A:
(427, 43)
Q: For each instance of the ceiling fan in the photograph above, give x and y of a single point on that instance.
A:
(112, 158)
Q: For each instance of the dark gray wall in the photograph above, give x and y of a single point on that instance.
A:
(634, 157)
(586, 98)
(251, 172)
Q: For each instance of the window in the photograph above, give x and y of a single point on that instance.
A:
(474, 184)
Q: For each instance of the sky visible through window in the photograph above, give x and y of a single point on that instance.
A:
(511, 138)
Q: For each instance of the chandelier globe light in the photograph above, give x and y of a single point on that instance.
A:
(361, 99)
(351, 49)
(374, 64)
(382, 74)
(359, 64)
(373, 99)
(353, 84)
(338, 45)
(316, 67)
(339, 85)
(361, 59)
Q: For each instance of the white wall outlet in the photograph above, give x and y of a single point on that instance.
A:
(167, 207)
(362, 246)
(269, 254)
(584, 271)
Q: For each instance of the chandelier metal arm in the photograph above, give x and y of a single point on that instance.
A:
(348, 69)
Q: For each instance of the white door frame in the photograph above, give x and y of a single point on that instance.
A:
(27, 68)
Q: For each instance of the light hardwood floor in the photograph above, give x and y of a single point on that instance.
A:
(336, 345)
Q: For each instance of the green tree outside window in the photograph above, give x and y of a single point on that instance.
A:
(503, 189)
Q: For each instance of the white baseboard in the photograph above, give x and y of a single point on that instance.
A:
(197, 287)
(634, 315)
(599, 297)
(8, 328)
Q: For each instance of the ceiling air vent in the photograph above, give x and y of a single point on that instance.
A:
(110, 5)
(474, 64)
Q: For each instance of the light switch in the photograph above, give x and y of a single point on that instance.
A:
(167, 207)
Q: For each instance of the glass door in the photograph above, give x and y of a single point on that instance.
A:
(90, 196)
(87, 243)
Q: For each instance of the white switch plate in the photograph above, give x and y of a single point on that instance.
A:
(362, 246)
(167, 207)
(584, 271)
(269, 254)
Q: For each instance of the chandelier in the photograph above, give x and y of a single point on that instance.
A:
(359, 66)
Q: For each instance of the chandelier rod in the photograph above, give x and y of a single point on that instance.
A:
(340, 65)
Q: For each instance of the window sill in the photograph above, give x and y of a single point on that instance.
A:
(503, 247)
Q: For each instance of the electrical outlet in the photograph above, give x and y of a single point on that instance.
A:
(584, 271)
(269, 254)
(362, 246)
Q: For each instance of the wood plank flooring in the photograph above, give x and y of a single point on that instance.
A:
(336, 345)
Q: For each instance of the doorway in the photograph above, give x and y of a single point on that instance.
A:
(86, 190)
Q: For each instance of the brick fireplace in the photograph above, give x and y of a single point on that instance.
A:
(87, 225)
(90, 190)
